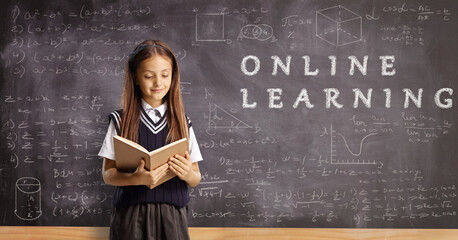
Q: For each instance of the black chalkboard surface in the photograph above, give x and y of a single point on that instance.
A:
(308, 113)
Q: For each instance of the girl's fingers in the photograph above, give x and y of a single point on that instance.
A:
(181, 158)
(162, 170)
(175, 171)
(178, 162)
(176, 168)
(180, 165)
(163, 173)
(141, 166)
(183, 162)
(158, 173)
(142, 163)
(164, 167)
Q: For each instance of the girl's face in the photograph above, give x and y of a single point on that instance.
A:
(154, 76)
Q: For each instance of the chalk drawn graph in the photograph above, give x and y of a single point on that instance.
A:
(360, 145)
(342, 153)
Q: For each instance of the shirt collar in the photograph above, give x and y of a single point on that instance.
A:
(148, 107)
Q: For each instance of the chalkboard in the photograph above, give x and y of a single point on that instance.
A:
(307, 113)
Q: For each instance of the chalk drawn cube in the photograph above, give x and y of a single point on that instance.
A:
(209, 27)
(338, 25)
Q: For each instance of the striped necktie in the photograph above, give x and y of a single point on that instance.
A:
(156, 116)
(157, 113)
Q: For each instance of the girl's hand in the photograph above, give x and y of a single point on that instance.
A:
(181, 166)
(150, 178)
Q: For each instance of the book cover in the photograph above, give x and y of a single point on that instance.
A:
(128, 155)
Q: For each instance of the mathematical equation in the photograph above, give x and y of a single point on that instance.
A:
(423, 12)
(46, 132)
(368, 196)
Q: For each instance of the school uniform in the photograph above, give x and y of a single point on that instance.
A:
(140, 212)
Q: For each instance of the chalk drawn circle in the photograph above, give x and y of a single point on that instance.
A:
(260, 32)
(266, 32)
(250, 31)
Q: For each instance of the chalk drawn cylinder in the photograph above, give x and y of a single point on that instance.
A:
(28, 199)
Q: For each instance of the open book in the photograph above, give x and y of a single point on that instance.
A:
(128, 155)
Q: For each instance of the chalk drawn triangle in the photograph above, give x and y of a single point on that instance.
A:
(219, 118)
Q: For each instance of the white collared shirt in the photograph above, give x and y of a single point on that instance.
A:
(151, 111)
(107, 149)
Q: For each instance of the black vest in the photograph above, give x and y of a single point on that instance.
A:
(151, 136)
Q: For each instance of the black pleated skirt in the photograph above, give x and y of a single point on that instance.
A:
(152, 221)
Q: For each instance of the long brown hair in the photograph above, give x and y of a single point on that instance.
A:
(131, 97)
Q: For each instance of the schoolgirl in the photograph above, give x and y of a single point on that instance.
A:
(153, 116)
